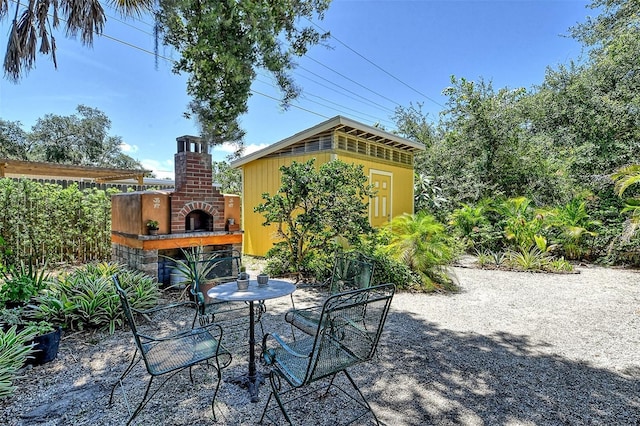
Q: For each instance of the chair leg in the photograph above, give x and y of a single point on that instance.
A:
(143, 402)
(276, 386)
(215, 392)
(128, 369)
(364, 400)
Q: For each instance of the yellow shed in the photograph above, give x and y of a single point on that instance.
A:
(387, 160)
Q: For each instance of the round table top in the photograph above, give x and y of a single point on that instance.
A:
(229, 291)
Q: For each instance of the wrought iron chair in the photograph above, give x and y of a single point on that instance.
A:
(168, 355)
(347, 334)
(216, 268)
(351, 271)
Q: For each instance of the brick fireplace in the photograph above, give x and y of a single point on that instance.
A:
(195, 213)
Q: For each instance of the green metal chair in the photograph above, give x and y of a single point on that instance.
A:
(347, 334)
(351, 271)
(168, 355)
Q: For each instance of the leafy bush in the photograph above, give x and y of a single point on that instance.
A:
(46, 222)
(313, 207)
(420, 242)
(14, 350)
(86, 297)
(22, 282)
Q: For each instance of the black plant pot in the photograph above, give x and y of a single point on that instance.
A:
(46, 348)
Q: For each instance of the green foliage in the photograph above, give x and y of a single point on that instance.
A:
(22, 282)
(195, 264)
(230, 179)
(420, 242)
(427, 195)
(49, 223)
(84, 19)
(475, 226)
(80, 139)
(14, 349)
(312, 208)
(570, 226)
(526, 259)
(488, 258)
(389, 270)
(86, 297)
(222, 43)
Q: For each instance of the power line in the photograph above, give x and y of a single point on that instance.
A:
(295, 106)
(377, 66)
(353, 81)
(345, 89)
(133, 46)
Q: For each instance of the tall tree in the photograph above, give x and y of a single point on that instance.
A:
(222, 44)
(80, 139)
(14, 143)
(36, 20)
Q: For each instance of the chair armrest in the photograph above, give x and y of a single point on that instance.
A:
(270, 354)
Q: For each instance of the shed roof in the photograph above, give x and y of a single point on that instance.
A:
(336, 123)
(17, 168)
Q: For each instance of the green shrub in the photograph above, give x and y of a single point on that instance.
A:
(14, 350)
(22, 282)
(421, 242)
(86, 298)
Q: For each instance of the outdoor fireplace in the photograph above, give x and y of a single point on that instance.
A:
(195, 213)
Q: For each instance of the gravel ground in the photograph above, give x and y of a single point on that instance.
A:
(508, 349)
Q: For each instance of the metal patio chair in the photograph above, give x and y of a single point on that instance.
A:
(168, 355)
(351, 271)
(347, 334)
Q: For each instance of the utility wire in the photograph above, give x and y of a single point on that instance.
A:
(377, 66)
(133, 46)
(351, 80)
(345, 89)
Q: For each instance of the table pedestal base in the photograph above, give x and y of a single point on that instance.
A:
(246, 382)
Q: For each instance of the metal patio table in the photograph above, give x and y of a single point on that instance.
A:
(255, 293)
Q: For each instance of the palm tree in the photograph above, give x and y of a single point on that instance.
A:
(420, 242)
(34, 20)
(623, 179)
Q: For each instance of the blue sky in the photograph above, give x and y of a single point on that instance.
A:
(384, 54)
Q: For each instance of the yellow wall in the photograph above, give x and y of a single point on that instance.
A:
(263, 175)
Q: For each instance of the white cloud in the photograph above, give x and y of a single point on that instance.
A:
(162, 170)
(253, 148)
(126, 148)
(220, 152)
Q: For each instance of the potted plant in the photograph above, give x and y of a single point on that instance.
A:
(46, 336)
(152, 227)
(263, 279)
(243, 279)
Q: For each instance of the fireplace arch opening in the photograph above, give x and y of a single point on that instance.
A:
(198, 221)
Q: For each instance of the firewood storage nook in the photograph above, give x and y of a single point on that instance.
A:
(194, 214)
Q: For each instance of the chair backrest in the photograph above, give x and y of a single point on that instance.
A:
(128, 313)
(349, 330)
(351, 271)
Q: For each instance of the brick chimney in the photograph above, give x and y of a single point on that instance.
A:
(195, 204)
